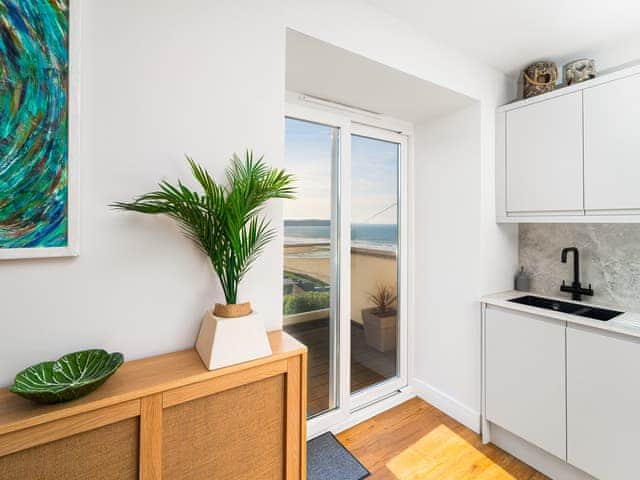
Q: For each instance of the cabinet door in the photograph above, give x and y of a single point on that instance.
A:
(106, 453)
(612, 145)
(544, 157)
(236, 434)
(525, 377)
(603, 404)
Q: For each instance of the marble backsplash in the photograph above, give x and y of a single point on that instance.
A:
(609, 260)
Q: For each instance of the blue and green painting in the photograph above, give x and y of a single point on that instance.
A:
(34, 66)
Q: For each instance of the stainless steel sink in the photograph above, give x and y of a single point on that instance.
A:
(567, 307)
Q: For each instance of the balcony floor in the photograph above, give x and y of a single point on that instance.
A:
(368, 366)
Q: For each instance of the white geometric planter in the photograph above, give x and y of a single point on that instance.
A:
(227, 341)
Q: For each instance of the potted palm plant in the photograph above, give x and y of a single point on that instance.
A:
(225, 222)
(380, 321)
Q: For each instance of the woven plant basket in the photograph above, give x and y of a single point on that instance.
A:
(233, 310)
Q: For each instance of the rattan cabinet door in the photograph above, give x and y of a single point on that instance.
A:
(235, 434)
(106, 453)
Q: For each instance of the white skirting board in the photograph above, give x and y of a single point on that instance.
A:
(542, 461)
(449, 405)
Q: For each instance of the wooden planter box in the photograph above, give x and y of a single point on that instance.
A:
(380, 332)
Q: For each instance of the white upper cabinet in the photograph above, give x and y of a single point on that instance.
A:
(571, 155)
(612, 146)
(544, 157)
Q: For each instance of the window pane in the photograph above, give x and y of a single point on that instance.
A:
(311, 153)
(374, 266)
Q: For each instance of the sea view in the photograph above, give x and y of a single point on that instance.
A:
(365, 234)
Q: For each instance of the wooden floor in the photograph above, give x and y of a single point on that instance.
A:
(368, 366)
(415, 441)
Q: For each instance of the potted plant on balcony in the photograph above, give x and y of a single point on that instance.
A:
(225, 222)
(380, 321)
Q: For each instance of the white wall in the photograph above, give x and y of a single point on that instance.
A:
(207, 78)
(159, 79)
(447, 256)
(452, 223)
(450, 258)
(610, 55)
(357, 26)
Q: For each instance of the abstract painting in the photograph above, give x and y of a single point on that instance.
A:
(34, 129)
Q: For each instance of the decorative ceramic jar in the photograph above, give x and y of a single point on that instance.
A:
(539, 77)
(579, 71)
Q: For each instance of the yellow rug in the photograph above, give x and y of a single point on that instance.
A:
(444, 454)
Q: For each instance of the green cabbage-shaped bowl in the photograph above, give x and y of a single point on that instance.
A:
(70, 377)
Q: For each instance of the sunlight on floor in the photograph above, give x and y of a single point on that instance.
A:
(444, 454)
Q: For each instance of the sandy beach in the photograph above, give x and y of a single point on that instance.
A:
(370, 267)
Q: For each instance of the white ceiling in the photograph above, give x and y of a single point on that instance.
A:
(322, 70)
(509, 34)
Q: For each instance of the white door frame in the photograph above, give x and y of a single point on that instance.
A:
(394, 131)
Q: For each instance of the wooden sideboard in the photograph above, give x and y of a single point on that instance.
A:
(168, 417)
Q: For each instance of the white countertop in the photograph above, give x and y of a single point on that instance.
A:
(626, 324)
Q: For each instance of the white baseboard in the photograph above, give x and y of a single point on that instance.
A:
(449, 405)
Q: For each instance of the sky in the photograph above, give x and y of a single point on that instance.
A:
(309, 149)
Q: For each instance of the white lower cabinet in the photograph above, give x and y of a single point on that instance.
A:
(525, 377)
(570, 390)
(603, 404)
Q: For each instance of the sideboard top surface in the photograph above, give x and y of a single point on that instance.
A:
(134, 380)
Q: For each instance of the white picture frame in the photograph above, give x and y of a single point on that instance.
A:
(73, 139)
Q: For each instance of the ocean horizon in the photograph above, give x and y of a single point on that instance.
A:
(382, 235)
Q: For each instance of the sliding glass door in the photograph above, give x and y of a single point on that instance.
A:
(344, 275)
(310, 256)
(377, 299)
(374, 261)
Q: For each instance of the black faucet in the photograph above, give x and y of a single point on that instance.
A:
(575, 289)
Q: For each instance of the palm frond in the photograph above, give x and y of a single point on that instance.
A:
(223, 220)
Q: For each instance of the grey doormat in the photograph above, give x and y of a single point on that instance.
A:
(327, 459)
